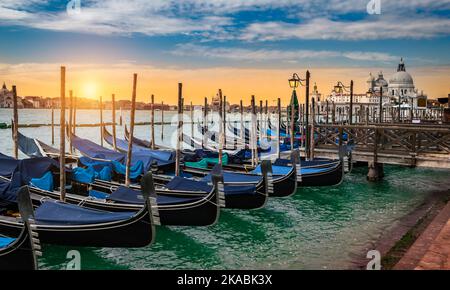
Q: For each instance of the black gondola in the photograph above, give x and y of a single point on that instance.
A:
(237, 196)
(64, 224)
(243, 194)
(143, 143)
(283, 185)
(191, 211)
(21, 253)
(326, 176)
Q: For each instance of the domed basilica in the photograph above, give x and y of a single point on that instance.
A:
(399, 88)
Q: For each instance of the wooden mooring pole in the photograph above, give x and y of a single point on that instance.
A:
(308, 136)
(350, 114)
(74, 122)
(224, 121)
(278, 127)
(375, 169)
(53, 123)
(153, 123)
(101, 120)
(130, 138)
(266, 118)
(69, 132)
(62, 133)
(241, 110)
(179, 129)
(191, 112)
(311, 132)
(205, 124)
(162, 121)
(15, 123)
(113, 107)
(253, 137)
(220, 137)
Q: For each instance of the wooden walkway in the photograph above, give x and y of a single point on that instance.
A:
(399, 144)
(431, 251)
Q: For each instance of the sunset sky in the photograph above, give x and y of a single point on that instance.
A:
(244, 47)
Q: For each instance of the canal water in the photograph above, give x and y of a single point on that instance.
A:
(317, 228)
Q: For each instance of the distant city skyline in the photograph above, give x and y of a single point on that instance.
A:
(242, 47)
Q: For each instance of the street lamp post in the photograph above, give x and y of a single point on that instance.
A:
(381, 105)
(339, 88)
(294, 83)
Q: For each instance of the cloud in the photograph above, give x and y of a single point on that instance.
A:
(326, 29)
(268, 55)
(217, 19)
(108, 17)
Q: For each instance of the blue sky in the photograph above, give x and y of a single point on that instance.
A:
(204, 33)
(256, 34)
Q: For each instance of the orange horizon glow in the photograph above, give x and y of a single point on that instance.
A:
(236, 83)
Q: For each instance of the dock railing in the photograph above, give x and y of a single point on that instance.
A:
(403, 144)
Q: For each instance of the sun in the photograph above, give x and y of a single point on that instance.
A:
(90, 90)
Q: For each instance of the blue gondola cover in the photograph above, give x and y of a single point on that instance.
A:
(135, 171)
(235, 177)
(83, 175)
(55, 212)
(180, 183)
(127, 195)
(45, 182)
(7, 165)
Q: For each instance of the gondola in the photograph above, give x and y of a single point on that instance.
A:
(230, 143)
(246, 195)
(323, 175)
(283, 185)
(172, 210)
(122, 146)
(143, 143)
(241, 192)
(240, 153)
(250, 195)
(143, 159)
(62, 223)
(21, 252)
(315, 173)
(36, 148)
(237, 132)
(164, 159)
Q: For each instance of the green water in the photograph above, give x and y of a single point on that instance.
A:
(318, 228)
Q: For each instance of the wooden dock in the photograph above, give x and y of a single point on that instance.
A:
(399, 144)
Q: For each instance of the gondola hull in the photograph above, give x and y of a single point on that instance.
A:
(283, 186)
(137, 231)
(326, 177)
(18, 255)
(248, 201)
(203, 212)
